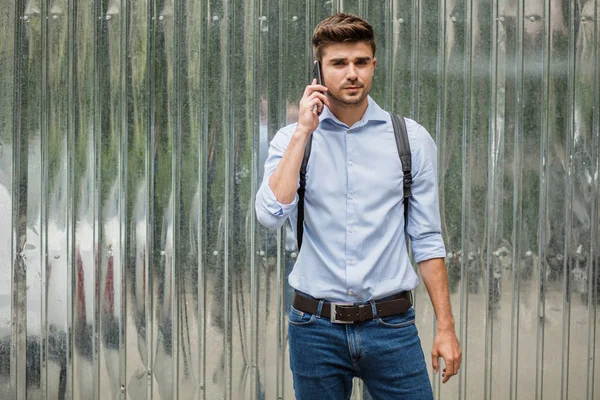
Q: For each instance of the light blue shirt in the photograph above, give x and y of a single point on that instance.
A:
(354, 247)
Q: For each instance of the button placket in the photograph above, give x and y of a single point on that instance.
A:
(350, 218)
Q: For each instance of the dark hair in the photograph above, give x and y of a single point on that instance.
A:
(341, 28)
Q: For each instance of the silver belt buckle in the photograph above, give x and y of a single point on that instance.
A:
(333, 314)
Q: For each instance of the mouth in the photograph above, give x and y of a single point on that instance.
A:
(352, 88)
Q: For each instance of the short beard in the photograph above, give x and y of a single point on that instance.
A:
(346, 103)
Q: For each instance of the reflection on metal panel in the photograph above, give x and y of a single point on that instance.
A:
(56, 201)
(135, 172)
(8, 336)
(132, 141)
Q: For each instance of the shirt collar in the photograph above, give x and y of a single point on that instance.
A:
(372, 113)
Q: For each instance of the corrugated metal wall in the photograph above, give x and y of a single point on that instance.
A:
(132, 136)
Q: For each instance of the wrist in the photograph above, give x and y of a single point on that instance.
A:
(302, 133)
(446, 325)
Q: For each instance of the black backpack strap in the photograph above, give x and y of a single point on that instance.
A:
(301, 190)
(403, 146)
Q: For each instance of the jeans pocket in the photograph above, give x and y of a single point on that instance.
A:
(300, 318)
(398, 320)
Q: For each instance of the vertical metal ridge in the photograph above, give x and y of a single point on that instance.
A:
(310, 22)
(593, 267)
(337, 6)
(494, 151)
(362, 9)
(17, 364)
(440, 140)
(517, 200)
(570, 132)
(414, 64)
(97, 188)
(441, 82)
(539, 386)
(255, 133)
(44, 200)
(176, 193)
(229, 134)
(71, 245)
(150, 167)
(466, 171)
(202, 182)
(388, 51)
(123, 195)
(281, 120)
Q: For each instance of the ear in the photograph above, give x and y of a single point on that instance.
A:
(374, 62)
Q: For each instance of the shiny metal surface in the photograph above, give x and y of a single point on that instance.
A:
(132, 141)
(55, 206)
(8, 313)
(109, 249)
(164, 189)
(136, 169)
(84, 199)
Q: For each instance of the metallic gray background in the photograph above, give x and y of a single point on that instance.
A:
(132, 136)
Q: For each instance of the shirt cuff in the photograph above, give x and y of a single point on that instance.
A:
(428, 247)
(271, 205)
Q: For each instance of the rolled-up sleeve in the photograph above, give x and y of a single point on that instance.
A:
(269, 211)
(424, 223)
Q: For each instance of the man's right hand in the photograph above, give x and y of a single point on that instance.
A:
(308, 120)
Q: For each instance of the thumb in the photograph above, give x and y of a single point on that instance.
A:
(435, 361)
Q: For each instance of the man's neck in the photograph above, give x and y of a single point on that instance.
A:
(349, 113)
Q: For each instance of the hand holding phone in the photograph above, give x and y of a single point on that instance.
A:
(312, 103)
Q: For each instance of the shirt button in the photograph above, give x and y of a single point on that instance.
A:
(350, 230)
(350, 292)
(351, 196)
(350, 163)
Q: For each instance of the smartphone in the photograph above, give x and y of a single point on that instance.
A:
(318, 75)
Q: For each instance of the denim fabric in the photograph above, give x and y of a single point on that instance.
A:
(384, 352)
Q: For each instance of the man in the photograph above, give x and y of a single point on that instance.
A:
(353, 248)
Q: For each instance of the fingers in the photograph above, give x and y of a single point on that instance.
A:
(316, 106)
(312, 88)
(315, 102)
(449, 371)
(446, 345)
(317, 88)
(452, 363)
(452, 360)
(435, 361)
(320, 96)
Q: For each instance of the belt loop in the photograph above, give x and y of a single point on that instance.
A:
(320, 308)
(374, 309)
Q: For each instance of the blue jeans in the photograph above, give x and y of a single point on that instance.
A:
(384, 352)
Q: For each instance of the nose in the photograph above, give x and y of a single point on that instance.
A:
(351, 72)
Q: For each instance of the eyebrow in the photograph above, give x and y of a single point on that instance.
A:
(334, 60)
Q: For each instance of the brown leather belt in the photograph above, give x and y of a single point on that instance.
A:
(347, 313)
